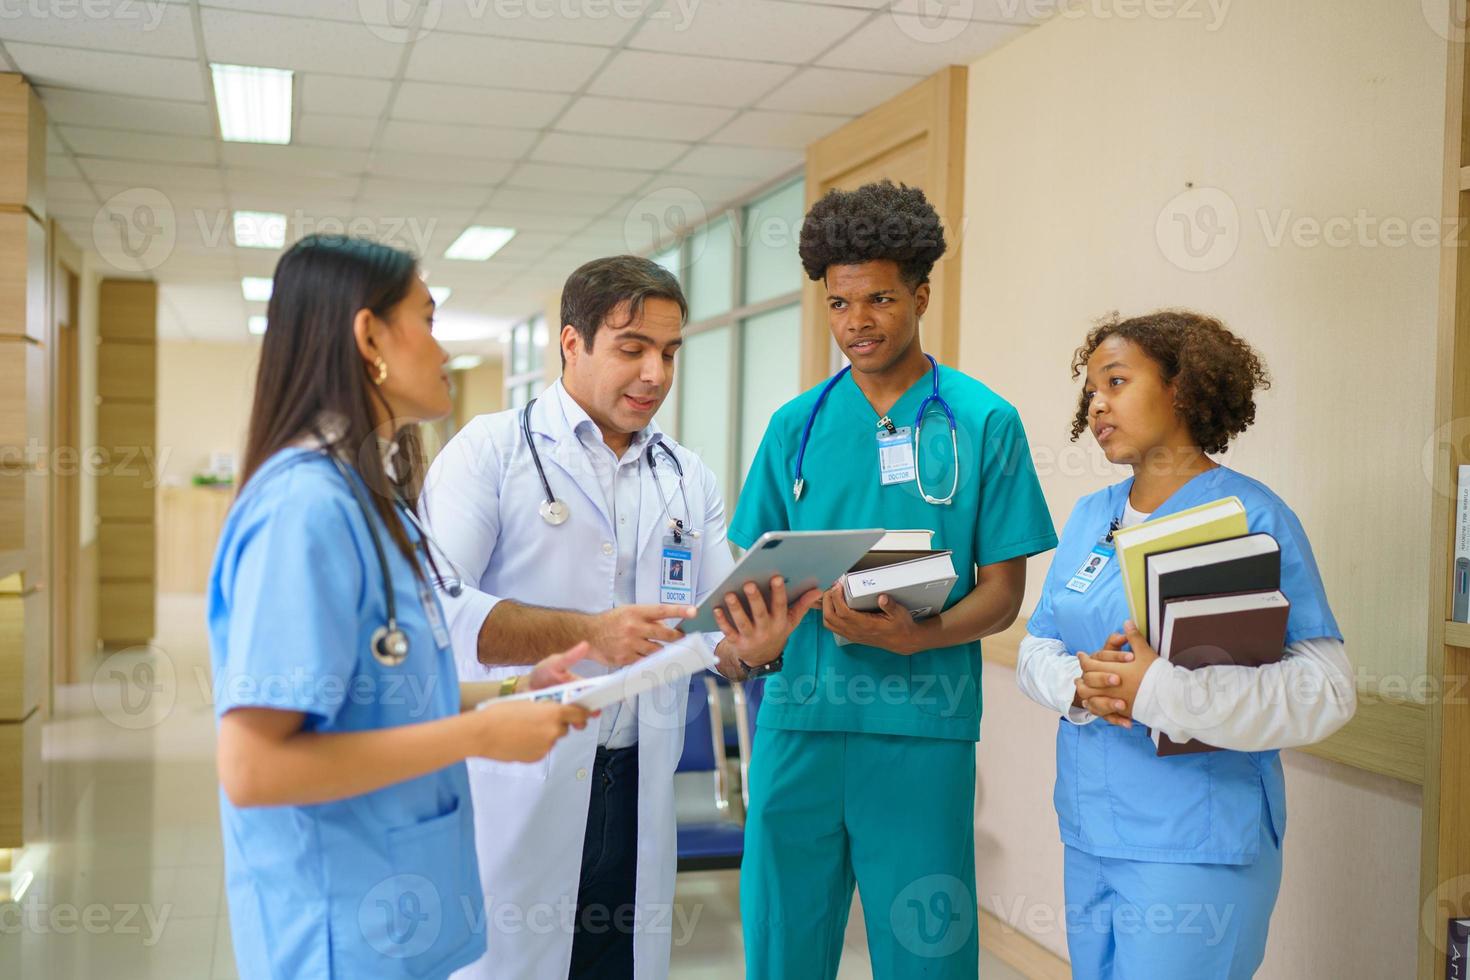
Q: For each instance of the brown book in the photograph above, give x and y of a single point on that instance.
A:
(1246, 629)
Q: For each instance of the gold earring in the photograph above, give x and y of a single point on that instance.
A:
(382, 366)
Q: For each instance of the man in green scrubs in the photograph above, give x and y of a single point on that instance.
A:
(863, 770)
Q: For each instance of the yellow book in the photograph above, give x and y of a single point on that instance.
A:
(1205, 524)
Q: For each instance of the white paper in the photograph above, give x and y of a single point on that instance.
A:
(674, 663)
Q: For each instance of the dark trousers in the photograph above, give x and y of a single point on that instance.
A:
(602, 943)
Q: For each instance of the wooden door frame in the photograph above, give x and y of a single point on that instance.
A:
(66, 457)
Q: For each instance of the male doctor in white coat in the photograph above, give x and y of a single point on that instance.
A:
(577, 852)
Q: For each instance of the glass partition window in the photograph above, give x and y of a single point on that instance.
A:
(772, 232)
(705, 402)
(710, 287)
(769, 374)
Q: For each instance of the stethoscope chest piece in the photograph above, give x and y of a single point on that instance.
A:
(390, 646)
(554, 512)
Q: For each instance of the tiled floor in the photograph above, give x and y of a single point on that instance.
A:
(131, 883)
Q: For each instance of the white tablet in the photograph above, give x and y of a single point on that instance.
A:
(804, 559)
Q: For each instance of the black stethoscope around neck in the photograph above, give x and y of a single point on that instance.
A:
(554, 510)
(389, 643)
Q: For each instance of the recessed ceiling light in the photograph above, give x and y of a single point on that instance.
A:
(465, 362)
(478, 242)
(440, 294)
(260, 229)
(256, 324)
(254, 103)
(256, 289)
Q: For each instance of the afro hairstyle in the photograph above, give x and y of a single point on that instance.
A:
(877, 221)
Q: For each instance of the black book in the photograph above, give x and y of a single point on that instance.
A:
(1249, 563)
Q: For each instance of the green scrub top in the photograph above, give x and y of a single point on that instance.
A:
(998, 513)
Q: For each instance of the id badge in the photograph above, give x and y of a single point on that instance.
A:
(434, 615)
(1092, 566)
(896, 456)
(676, 572)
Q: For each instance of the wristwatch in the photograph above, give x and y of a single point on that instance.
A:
(751, 673)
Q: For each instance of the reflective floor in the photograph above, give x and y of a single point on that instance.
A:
(131, 883)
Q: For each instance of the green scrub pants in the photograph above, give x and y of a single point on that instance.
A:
(894, 815)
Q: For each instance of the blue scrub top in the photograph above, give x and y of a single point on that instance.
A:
(998, 513)
(385, 884)
(1114, 796)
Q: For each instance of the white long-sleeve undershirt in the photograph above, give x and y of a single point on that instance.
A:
(1305, 697)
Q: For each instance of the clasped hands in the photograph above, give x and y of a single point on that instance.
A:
(1111, 676)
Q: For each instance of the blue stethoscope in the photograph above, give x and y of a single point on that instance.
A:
(934, 396)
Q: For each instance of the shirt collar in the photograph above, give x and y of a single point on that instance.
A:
(581, 426)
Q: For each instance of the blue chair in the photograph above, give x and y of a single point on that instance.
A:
(710, 834)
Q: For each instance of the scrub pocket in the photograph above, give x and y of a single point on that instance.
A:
(422, 914)
(1159, 803)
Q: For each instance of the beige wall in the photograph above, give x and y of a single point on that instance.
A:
(204, 392)
(481, 391)
(1080, 134)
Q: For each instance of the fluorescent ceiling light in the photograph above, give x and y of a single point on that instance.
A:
(254, 103)
(465, 362)
(440, 294)
(478, 242)
(260, 229)
(256, 324)
(256, 289)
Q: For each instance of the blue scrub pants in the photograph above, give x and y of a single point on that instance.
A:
(893, 814)
(1144, 920)
(602, 940)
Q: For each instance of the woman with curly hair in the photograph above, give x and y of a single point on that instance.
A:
(1173, 863)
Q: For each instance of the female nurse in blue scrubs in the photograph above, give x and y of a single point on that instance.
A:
(1173, 863)
(349, 841)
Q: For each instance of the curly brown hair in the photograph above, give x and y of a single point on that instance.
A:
(1214, 372)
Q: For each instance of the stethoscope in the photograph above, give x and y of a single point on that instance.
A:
(389, 642)
(887, 423)
(555, 512)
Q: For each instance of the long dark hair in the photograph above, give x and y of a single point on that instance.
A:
(310, 367)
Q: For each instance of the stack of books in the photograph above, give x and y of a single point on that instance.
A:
(904, 566)
(1204, 592)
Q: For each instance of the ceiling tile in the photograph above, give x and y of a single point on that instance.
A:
(829, 90)
(494, 143)
(505, 216)
(241, 38)
(110, 25)
(133, 145)
(148, 115)
(792, 130)
(574, 23)
(347, 11)
(655, 120)
(907, 44)
(685, 78)
(998, 11)
(696, 196)
(314, 160)
(740, 161)
(461, 104)
(468, 196)
(133, 174)
(546, 176)
(73, 188)
(608, 151)
(110, 72)
(787, 32)
(579, 201)
(59, 168)
(253, 180)
(319, 129)
(438, 167)
(339, 96)
(488, 61)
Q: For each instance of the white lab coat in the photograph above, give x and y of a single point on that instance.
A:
(481, 501)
